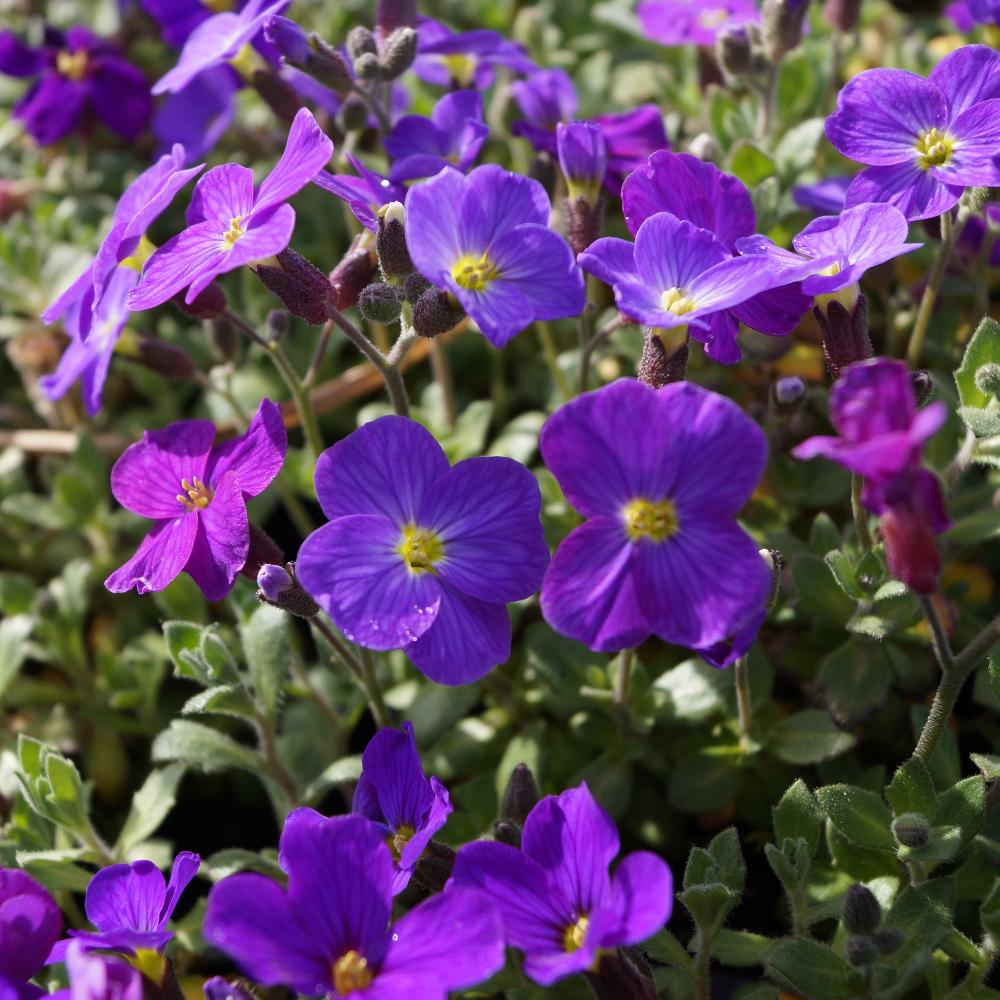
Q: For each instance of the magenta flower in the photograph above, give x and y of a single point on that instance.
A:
(834, 251)
(196, 495)
(329, 934)
(660, 475)
(558, 903)
(30, 924)
(365, 194)
(466, 58)
(693, 22)
(926, 140)
(394, 794)
(231, 223)
(99, 977)
(130, 906)
(421, 556)
(454, 134)
(485, 238)
(75, 73)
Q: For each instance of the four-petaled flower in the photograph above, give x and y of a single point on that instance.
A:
(394, 794)
(660, 475)
(926, 140)
(557, 901)
(230, 223)
(485, 238)
(196, 494)
(329, 933)
(465, 58)
(420, 555)
(693, 22)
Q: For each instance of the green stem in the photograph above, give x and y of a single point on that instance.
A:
(701, 976)
(860, 514)
(622, 679)
(744, 703)
(269, 750)
(949, 234)
(799, 904)
(551, 355)
(312, 372)
(766, 106)
(588, 345)
(441, 368)
(370, 681)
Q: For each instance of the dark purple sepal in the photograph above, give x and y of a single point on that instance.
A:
(354, 272)
(434, 868)
(656, 368)
(302, 287)
(618, 975)
(846, 339)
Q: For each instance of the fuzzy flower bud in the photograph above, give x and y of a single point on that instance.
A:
(223, 337)
(288, 595)
(277, 324)
(328, 66)
(861, 912)
(289, 39)
(380, 303)
(987, 379)
(781, 26)
(788, 394)
(273, 581)
(732, 50)
(911, 549)
(302, 287)
(353, 114)
(164, 359)
(861, 951)
(911, 830)
(207, 304)
(390, 242)
(923, 386)
(435, 866)
(656, 369)
(520, 796)
(366, 66)
(218, 988)
(435, 312)
(360, 42)
(842, 14)
(398, 53)
(845, 334)
(889, 939)
(414, 285)
(355, 270)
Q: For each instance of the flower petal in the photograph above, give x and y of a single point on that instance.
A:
(917, 193)
(610, 259)
(671, 253)
(432, 233)
(642, 890)
(126, 897)
(224, 193)
(184, 868)
(223, 540)
(307, 151)
(497, 201)
(161, 555)
(256, 456)
(975, 160)
(967, 76)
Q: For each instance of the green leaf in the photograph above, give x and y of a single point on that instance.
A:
(150, 807)
(812, 969)
(519, 439)
(819, 592)
(808, 737)
(696, 690)
(181, 638)
(725, 851)
(66, 791)
(988, 763)
(268, 650)
(855, 680)
(224, 699)
(740, 948)
(232, 860)
(750, 163)
(665, 948)
(843, 572)
(703, 782)
(203, 747)
(797, 148)
(983, 348)
(989, 911)
(912, 790)
(14, 632)
(861, 816)
(790, 863)
(797, 814)
(963, 805)
(709, 905)
(340, 771)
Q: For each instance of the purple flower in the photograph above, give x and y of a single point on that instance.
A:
(485, 238)
(975, 231)
(329, 933)
(76, 72)
(178, 18)
(393, 792)
(30, 924)
(677, 275)
(583, 158)
(546, 98)
(231, 223)
(453, 134)
(196, 495)
(197, 115)
(826, 196)
(365, 194)
(926, 140)
(216, 41)
(834, 251)
(99, 977)
(467, 58)
(660, 475)
(86, 360)
(130, 906)
(632, 136)
(692, 22)
(558, 903)
(142, 202)
(422, 556)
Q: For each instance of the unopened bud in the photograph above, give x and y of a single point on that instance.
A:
(380, 303)
(732, 51)
(435, 866)
(911, 830)
(164, 359)
(657, 368)
(329, 67)
(842, 14)
(277, 324)
(436, 312)
(781, 24)
(390, 242)
(289, 39)
(302, 287)
(219, 988)
(507, 833)
(353, 114)
(414, 285)
(987, 379)
(845, 334)
(889, 939)
(861, 951)
(788, 394)
(223, 337)
(398, 53)
(616, 975)
(291, 597)
(273, 581)
(263, 550)
(360, 42)
(366, 66)
(923, 386)
(520, 795)
(861, 912)
(705, 147)
(911, 550)
(583, 158)
(278, 94)
(393, 14)
(355, 270)
(207, 304)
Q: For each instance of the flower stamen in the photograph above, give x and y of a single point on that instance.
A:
(576, 934)
(196, 495)
(399, 840)
(233, 233)
(421, 549)
(677, 301)
(934, 149)
(474, 273)
(461, 67)
(72, 65)
(350, 973)
(652, 519)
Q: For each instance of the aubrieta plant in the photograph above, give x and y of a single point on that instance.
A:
(500, 501)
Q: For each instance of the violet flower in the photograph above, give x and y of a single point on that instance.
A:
(834, 251)
(677, 275)
(631, 137)
(558, 903)
(130, 906)
(178, 18)
(198, 114)
(692, 22)
(660, 475)
(485, 238)
(196, 495)
(393, 792)
(99, 977)
(926, 140)
(546, 98)
(329, 934)
(365, 194)
(583, 159)
(454, 134)
(30, 924)
(141, 203)
(86, 360)
(76, 73)
(825, 196)
(467, 58)
(216, 41)
(422, 556)
(230, 222)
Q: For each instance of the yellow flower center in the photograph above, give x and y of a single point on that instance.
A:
(713, 18)
(196, 495)
(576, 934)
(150, 963)
(143, 252)
(461, 67)
(474, 273)
(655, 520)
(233, 233)
(350, 973)
(676, 301)
(219, 6)
(72, 65)
(399, 840)
(934, 149)
(421, 549)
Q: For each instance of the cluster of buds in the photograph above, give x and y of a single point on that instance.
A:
(862, 919)
(381, 59)
(750, 53)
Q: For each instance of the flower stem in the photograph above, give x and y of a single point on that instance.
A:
(701, 979)
(587, 346)
(949, 234)
(441, 367)
(310, 425)
(370, 681)
(744, 703)
(860, 514)
(269, 749)
(622, 679)
(551, 354)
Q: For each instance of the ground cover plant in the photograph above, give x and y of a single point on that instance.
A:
(499, 500)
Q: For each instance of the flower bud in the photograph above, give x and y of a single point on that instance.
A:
(911, 549)
(861, 951)
(507, 833)
(207, 304)
(277, 324)
(393, 14)
(353, 114)
(435, 866)
(218, 988)
(705, 147)
(583, 222)
(520, 796)
(354, 272)
(289, 39)
(262, 551)
(615, 976)
(390, 242)
(414, 285)
(775, 562)
(273, 581)
(842, 14)
(329, 67)
(889, 939)
(911, 830)
(923, 386)
(366, 66)
(223, 337)
(583, 157)
(379, 303)
(278, 94)
(291, 598)
(781, 26)
(845, 334)
(657, 369)
(360, 42)
(436, 312)
(302, 287)
(732, 50)
(861, 912)
(788, 394)
(398, 53)
(987, 379)
(163, 358)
